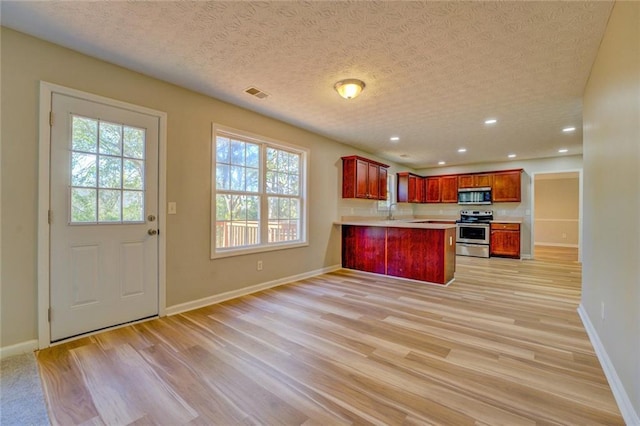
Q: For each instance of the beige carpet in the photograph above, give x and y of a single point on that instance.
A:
(21, 399)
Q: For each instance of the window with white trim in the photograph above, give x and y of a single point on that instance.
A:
(259, 194)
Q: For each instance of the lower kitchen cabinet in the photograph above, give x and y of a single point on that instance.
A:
(505, 240)
(424, 254)
(363, 248)
(420, 254)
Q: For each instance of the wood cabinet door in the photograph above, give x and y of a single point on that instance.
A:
(449, 189)
(362, 184)
(505, 242)
(506, 187)
(484, 180)
(432, 193)
(373, 176)
(416, 254)
(465, 181)
(382, 184)
(364, 249)
(402, 187)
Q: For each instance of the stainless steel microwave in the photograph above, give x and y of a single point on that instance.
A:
(474, 195)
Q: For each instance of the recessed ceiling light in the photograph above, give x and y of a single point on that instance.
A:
(490, 121)
(394, 138)
(441, 163)
(569, 129)
(511, 156)
(563, 150)
(462, 150)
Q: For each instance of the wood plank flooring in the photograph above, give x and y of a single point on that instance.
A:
(502, 345)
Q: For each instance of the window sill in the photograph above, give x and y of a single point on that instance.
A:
(259, 249)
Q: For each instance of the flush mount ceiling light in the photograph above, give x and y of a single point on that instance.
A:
(461, 150)
(511, 156)
(394, 138)
(441, 163)
(349, 88)
(569, 129)
(563, 150)
(490, 121)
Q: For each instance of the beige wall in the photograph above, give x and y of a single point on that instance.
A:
(522, 210)
(556, 210)
(611, 256)
(191, 274)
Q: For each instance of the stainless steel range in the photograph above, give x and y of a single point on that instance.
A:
(473, 233)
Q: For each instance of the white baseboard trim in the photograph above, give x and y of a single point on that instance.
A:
(18, 348)
(525, 257)
(195, 304)
(555, 244)
(619, 393)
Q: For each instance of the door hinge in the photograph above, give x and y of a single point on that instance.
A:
(49, 216)
(51, 118)
(49, 314)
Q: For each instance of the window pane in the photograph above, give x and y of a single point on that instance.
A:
(222, 176)
(222, 150)
(237, 178)
(83, 170)
(223, 211)
(237, 152)
(133, 144)
(293, 186)
(84, 134)
(132, 206)
(83, 205)
(294, 163)
(110, 172)
(272, 157)
(109, 205)
(295, 208)
(253, 156)
(133, 174)
(273, 208)
(252, 180)
(110, 138)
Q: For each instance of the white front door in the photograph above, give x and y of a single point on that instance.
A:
(103, 214)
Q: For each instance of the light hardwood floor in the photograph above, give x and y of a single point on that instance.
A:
(502, 345)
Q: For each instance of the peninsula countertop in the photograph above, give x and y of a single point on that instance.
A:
(398, 223)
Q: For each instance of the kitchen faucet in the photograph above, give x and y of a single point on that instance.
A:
(390, 215)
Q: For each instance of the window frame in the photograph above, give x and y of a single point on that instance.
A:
(263, 142)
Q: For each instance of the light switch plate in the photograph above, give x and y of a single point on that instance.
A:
(172, 208)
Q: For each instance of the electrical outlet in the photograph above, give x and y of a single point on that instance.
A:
(602, 310)
(259, 265)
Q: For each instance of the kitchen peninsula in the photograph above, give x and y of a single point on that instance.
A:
(413, 249)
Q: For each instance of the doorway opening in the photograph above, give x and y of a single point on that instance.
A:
(557, 215)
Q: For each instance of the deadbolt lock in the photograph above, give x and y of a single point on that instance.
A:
(151, 218)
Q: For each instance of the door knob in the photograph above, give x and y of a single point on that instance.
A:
(152, 231)
(151, 218)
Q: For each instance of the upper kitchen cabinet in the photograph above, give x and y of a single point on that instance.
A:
(480, 180)
(363, 178)
(433, 190)
(410, 188)
(506, 186)
(449, 189)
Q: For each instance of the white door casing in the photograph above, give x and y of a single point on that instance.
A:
(106, 270)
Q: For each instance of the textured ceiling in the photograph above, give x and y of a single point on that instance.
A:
(434, 70)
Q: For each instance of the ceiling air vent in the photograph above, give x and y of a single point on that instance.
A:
(253, 91)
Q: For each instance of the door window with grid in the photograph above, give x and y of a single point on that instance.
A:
(259, 194)
(107, 172)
